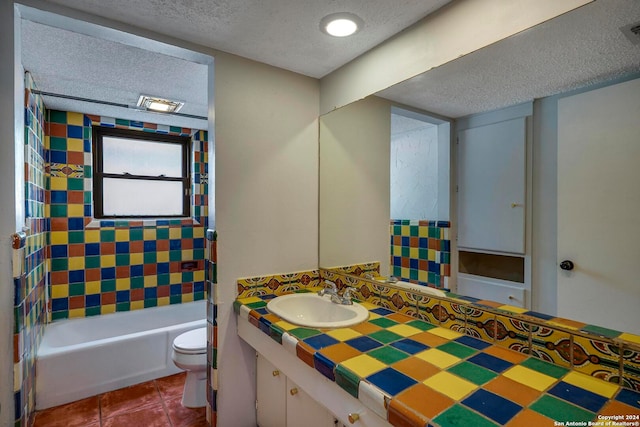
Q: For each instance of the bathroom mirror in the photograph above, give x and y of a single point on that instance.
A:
(354, 219)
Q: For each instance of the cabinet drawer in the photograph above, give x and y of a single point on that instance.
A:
(491, 289)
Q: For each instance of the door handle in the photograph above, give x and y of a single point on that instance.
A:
(567, 265)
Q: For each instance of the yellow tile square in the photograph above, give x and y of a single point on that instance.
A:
(630, 337)
(136, 258)
(75, 210)
(150, 281)
(107, 260)
(175, 277)
(423, 232)
(405, 230)
(76, 263)
(431, 254)
(513, 309)
(58, 183)
(122, 235)
(59, 237)
(108, 309)
(374, 315)
(175, 233)
(137, 305)
(438, 358)
(76, 312)
(75, 144)
(92, 288)
(369, 306)
(187, 298)
(187, 254)
(162, 256)
(363, 365)
(198, 276)
(595, 385)
(406, 272)
(123, 284)
(343, 334)
(163, 301)
(284, 325)
(445, 333)
(529, 377)
(423, 276)
(450, 385)
(149, 234)
(75, 119)
(397, 250)
(59, 291)
(198, 232)
(404, 330)
(413, 253)
(92, 236)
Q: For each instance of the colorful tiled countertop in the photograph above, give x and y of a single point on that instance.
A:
(420, 374)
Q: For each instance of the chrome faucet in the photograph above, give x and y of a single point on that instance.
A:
(331, 289)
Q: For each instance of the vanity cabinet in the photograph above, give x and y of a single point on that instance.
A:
(281, 402)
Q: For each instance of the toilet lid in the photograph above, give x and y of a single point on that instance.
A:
(194, 341)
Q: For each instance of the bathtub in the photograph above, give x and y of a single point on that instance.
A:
(82, 357)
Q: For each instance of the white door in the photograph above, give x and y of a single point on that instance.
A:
(599, 206)
(271, 410)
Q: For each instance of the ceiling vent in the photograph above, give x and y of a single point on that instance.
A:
(632, 32)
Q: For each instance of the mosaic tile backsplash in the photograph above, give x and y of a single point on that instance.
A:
(100, 267)
(421, 251)
(428, 364)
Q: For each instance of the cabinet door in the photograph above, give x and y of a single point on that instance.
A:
(491, 187)
(271, 389)
(302, 410)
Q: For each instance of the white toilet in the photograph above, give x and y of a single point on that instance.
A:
(190, 353)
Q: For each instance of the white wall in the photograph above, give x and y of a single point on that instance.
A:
(266, 180)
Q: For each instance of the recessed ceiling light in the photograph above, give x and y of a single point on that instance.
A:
(161, 105)
(341, 24)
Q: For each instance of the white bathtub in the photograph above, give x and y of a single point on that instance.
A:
(83, 357)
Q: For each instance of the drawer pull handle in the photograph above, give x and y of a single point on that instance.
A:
(516, 205)
(275, 373)
(511, 297)
(353, 418)
(293, 391)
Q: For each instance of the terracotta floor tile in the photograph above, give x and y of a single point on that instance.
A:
(82, 413)
(130, 398)
(185, 417)
(150, 416)
(171, 386)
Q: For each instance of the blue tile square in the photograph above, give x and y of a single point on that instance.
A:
(363, 344)
(58, 196)
(136, 270)
(175, 289)
(59, 251)
(92, 249)
(410, 346)
(122, 247)
(539, 315)
(58, 156)
(150, 293)
(122, 296)
(382, 311)
(74, 131)
(579, 396)
(76, 276)
(629, 397)
(108, 273)
(149, 245)
(175, 244)
(493, 406)
(490, 362)
(92, 300)
(391, 381)
(324, 365)
(59, 304)
(320, 341)
(473, 342)
(75, 223)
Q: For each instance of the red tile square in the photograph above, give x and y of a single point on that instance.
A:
(75, 157)
(108, 298)
(75, 197)
(107, 248)
(137, 294)
(187, 243)
(59, 224)
(136, 246)
(76, 302)
(92, 274)
(76, 249)
(59, 277)
(162, 245)
(57, 129)
(122, 271)
(150, 269)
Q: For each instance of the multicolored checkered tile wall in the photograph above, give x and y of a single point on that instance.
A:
(421, 251)
(30, 263)
(100, 267)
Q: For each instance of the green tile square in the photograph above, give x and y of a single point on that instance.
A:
(92, 261)
(388, 355)
(423, 326)
(434, 232)
(423, 254)
(107, 235)
(397, 271)
(162, 233)
(458, 350)
(559, 410)
(256, 305)
(383, 322)
(187, 276)
(153, 302)
(413, 274)
(385, 336)
(445, 257)
(175, 255)
(87, 198)
(59, 264)
(58, 315)
(123, 306)
(76, 289)
(599, 330)
(276, 333)
(76, 237)
(187, 232)
(459, 416)
(137, 282)
(472, 372)
(405, 251)
(86, 133)
(347, 380)
(75, 184)
(546, 368)
(122, 260)
(413, 230)
(198, 254)
(136, 234)
(175, 129)
(58, 211)
(108, 285)
(57, 143)
(122, 122)
(397, 230)
(163, 279)
(92, 311)
(87, 174)
(150, 257)
(56, 116)
(302, 333)
(175, 299)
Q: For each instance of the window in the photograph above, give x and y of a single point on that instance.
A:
(139, 174)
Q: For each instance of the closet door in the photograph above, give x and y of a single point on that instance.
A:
(491, 187)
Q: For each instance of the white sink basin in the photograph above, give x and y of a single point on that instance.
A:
(314, 311)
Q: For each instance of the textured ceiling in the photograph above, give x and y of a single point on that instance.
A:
(283, 33)
(576, 49)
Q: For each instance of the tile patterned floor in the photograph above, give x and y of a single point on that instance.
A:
(152, 404)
